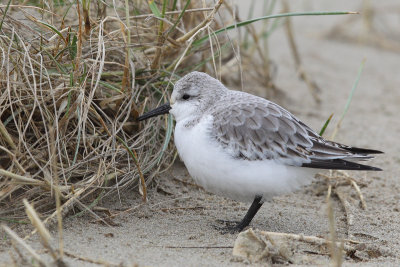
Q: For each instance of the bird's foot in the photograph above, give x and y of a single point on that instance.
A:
(229, 227)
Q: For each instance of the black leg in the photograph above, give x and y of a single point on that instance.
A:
(255, 206)
(234, 227)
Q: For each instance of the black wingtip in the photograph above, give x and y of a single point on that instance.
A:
(369, 168)
(339, 164)
(365, 151)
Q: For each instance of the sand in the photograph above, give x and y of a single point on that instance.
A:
(177, 226)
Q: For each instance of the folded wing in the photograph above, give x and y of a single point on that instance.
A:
(256, 129)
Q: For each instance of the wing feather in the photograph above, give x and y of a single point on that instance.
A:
(252, 128)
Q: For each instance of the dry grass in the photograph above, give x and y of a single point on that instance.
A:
(73, 79)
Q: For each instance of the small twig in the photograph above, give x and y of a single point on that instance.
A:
(79, 43)
(160, 40)
(91, 213)
(347, 181)
(118, 213)
(42, 230)
(173, 12)
(310, 239)
(21, 179)
(347, 208)
(329, 193)
(205, 22)
(20, 241)
(135, 158)
(104, 263)
(181, 208)
(336, 254)
(360, 195)
(255, 245)
(196, 247)
(187, 183)
(127, 31)
(354, 183)
(57, 192)
(6, 136)
(65, 207)
(169, 200)
(32, 7)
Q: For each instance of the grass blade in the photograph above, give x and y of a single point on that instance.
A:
(353, 89)
(154, 9)
(160, 38)
(4, 15)
(73, 48)
(246, 22)
(168, 135)
(349, 99)
(109, 86)
(60, 67)
(20, 241)
(180, 16)
(51, 27)
(174, 5)
(325, 125)
(134, 156)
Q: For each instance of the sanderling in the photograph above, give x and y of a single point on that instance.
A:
(245, 147)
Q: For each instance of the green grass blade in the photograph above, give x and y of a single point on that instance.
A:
(73, 47)
(277, 23)
(174, 5)
(164, 8)
(127, 148)
(197, 66)
(78, 139)
(271, 6)
(360, 70)
(51, 27)
(133, 154)
(109, 86)
(325, 125)
(180, 16)
(167, 137)
(249, 15)
(246, 22)
(69, 99)
(60, 52)
(71, 79)
(60, 67)
(154, 9)
(66, 12)
(349, 99)
(9, 220)
(4, 15)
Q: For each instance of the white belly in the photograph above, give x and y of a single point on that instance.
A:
(216, 171)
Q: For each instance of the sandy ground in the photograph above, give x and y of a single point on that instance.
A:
(177, 225)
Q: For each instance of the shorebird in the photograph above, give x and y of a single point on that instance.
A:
(245, 147)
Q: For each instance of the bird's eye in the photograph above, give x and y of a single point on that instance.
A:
(185, 97)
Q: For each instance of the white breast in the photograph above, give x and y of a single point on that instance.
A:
(216, 171)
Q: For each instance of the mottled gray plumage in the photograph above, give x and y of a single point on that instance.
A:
(252, 128)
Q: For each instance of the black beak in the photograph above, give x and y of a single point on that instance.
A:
(163, 109)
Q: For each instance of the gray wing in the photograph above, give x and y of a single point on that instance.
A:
(257, 129)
